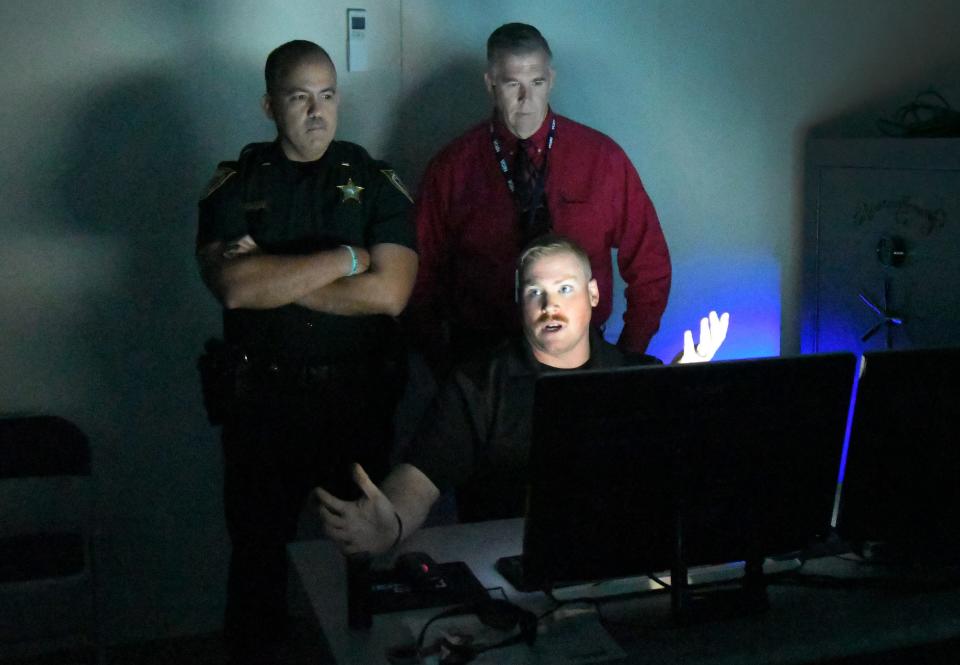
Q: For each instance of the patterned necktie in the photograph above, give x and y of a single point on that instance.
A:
(526, 170)
(533, 215)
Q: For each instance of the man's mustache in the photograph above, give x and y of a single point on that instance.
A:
(545, 318)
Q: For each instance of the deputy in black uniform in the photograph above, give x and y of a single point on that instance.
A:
(307, 243)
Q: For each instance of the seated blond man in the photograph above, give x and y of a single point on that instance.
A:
(476, 437)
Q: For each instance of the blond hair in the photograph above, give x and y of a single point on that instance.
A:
(549, 245)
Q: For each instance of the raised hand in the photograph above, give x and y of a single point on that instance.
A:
(713, 330)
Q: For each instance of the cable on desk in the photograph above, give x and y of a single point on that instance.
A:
(499, 614)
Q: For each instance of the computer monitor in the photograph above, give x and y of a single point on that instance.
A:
(901, 486)
(639, 469)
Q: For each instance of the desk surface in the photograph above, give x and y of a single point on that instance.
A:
(808, 622)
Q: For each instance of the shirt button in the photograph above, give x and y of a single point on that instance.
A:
(309, 324)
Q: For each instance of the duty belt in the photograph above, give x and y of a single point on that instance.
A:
(232, 376)
(272, 371)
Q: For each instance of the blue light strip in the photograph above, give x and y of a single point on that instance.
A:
(846, 443)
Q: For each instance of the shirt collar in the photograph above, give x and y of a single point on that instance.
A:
(538, 139)
(522, 362)
(278, 156)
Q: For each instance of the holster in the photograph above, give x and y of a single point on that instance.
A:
(221, 370)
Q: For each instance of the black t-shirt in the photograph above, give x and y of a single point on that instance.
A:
(287, 207)
(476, 436)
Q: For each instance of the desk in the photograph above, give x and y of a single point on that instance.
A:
(804, 624)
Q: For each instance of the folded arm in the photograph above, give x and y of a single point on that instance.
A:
(370, 524)
(382, 289)
(240, 275)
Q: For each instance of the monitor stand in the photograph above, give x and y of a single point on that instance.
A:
(695, 604)
(699, 603)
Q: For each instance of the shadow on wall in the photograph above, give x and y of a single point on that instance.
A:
(435, 111)
(130, 181)
(857, 120)
(430, 115)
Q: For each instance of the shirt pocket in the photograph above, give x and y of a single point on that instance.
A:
(585, 219)
(345, 224)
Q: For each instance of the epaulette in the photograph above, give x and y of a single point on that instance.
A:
(225, 170)
(251, 150)
(394, 180)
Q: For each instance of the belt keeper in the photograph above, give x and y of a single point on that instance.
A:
(354, 262)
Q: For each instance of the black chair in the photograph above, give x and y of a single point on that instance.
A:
(48, 590)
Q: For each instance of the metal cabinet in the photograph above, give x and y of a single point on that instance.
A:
(881, 256)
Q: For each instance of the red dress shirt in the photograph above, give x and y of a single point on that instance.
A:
(468, 237)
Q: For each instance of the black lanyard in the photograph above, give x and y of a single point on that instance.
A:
(532, 217)
(505, 168)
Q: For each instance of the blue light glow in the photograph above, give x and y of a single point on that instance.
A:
(747, 286)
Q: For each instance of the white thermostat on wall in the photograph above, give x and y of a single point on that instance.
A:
(356, 40)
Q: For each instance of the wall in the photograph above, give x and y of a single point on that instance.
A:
(117, 111)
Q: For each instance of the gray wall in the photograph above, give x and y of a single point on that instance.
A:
(115, 114)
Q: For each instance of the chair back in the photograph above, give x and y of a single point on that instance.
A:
(47, 531)
(35, 446)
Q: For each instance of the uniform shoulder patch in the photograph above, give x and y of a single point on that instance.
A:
(223, 173)
(394, 180)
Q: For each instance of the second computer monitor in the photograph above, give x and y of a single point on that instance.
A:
(901, 485)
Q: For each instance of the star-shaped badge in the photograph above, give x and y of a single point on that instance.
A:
(350, 191)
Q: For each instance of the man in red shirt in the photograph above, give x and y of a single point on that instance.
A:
(525, 172)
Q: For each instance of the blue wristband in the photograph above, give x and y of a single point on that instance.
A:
(354, 262)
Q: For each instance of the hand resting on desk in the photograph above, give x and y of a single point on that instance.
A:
(372, 523)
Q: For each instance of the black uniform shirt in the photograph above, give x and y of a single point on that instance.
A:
(476, 437)
(302, 207)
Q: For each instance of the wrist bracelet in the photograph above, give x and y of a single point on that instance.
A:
(399, 530)
(354, 262)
